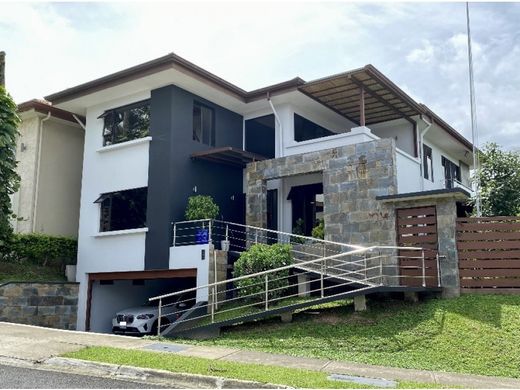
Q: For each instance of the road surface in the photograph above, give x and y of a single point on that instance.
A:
(12, 377)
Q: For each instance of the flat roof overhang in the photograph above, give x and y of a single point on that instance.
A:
(383, 100)
(454, 193)
(153, 274)
(228, 155)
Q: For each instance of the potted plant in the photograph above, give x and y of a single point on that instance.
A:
(201, 207)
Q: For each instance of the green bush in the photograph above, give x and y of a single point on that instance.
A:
(258, 258)
(319, 230)
(201, 207)
(41, 249)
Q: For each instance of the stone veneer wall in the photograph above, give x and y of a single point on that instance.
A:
(53, 305)
(353, 175)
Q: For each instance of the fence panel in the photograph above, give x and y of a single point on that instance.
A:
(489, 253)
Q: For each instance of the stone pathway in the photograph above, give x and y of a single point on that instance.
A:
(36, 344)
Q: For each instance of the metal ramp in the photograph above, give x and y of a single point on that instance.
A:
(321, 271)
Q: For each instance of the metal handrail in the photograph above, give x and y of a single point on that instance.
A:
(298, 236)
(274, 270)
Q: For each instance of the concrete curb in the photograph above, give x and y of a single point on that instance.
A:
(157, 377)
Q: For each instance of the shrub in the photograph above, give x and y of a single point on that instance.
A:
(41, 249)
(319, 230)
(258, 258)
(201, 207)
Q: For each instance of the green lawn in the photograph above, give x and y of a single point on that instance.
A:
(20, 272)
(477, 334)
(253, 372)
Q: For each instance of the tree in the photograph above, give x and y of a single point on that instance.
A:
(9, 179)
(499, 176)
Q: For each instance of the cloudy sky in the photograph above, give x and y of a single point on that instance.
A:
(420, 46)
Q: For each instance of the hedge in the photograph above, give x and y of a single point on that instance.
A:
(41, 249)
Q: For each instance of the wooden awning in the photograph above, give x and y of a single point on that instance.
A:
(382, 99)
(229, 156)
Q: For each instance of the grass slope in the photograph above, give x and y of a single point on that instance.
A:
(235, 370)
(477, 334)
(20, 272)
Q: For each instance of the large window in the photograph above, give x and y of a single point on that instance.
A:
(427, 162)
(451, 172)
(305, 130)
(203, 124)
(126, 123)
(123, 210)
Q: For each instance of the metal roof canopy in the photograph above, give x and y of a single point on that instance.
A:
(347, 93)
(229, 156)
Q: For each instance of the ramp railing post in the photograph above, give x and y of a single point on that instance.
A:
(423, 270)
(212, 306)
(159, 318)
(266, 292)
(174, 233)
(322, 277)
(438, 270)
(209, 232)
(380, 268)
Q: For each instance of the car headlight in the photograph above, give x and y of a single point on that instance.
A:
(144, 316)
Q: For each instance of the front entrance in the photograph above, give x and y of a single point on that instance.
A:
(417, 227)
(307, 207)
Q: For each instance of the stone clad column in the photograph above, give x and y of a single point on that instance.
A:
(256, 197)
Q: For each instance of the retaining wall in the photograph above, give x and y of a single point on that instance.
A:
(52, 304)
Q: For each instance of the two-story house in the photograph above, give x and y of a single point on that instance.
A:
(167, 129)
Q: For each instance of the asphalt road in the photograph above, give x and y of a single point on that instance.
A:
(27, 378)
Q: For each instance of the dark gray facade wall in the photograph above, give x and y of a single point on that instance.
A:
(53, 305)
(173, 174)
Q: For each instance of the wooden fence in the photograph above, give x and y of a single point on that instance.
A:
(489, 253)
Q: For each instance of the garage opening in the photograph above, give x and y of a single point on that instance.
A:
(127, 293)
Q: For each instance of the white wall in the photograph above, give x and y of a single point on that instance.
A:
(408, 173)
(189, 256)
(117, 168)
(400, 130)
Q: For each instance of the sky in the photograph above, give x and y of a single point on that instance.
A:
(422, 47)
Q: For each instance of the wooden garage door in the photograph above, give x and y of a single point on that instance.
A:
(417, 227)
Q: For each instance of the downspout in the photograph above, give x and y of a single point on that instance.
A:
(79, 122)
(38, 161)
(282, 184)
(280, 132)
(421, 157)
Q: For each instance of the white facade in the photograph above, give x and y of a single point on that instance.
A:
(114, 168)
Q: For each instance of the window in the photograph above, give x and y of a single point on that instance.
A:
(305, 130)
(123, 210)
(126, 123)
(203, 124)
(427, 162)
(451, 172)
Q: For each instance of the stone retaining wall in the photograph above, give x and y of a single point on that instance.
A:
(53, 305)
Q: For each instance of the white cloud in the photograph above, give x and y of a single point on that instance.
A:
(423, 55)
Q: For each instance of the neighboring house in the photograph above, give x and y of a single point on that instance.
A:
(49, 151)
(167, 129)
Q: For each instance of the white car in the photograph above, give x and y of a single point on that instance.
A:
(143, 320)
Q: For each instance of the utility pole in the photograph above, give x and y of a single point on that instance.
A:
(2, 68)
(474, 131)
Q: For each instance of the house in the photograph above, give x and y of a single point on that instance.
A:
(49, 151)
(343, 149)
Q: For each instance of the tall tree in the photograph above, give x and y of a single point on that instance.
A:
(499, 181)
(9, 179)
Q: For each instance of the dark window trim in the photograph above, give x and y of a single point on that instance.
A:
(449, 181)
(425, 161)
(113, 111)
(331, 133)
(107, 197)
(213, 132)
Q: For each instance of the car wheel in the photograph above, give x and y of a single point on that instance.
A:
(164, 324)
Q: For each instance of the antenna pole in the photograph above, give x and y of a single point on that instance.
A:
(474, 131)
